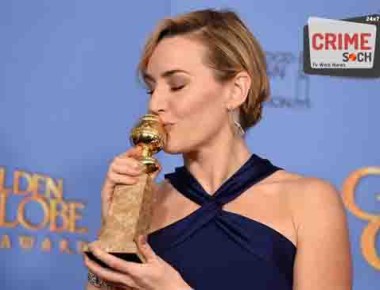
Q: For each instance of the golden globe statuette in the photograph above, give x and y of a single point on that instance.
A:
(130, 209)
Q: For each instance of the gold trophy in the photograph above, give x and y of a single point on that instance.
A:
(130, 209)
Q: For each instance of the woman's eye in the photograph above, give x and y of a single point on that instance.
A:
(177, 88)
(149, 91)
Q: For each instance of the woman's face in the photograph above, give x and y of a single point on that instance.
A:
(185, 94)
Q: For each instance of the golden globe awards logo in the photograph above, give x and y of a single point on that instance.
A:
(33, 203)
(368, 238)
(348, 47)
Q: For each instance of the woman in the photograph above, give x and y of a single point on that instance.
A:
(227, 219)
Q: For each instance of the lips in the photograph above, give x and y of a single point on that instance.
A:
(165, 123)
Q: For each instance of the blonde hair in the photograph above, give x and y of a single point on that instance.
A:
(232, 48)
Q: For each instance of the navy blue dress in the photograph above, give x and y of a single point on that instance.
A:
(215, 249)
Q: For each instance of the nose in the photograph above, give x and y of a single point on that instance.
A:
(157, 103)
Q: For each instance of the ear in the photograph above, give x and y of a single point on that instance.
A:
(240, 86)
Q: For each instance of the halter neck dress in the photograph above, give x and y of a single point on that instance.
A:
(215, 249)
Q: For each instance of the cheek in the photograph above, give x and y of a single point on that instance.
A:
(197, 104)
(198, 114)
(197, 123)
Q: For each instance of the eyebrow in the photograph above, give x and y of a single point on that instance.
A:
(166, 74)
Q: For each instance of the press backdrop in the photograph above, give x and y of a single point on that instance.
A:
(69, 96)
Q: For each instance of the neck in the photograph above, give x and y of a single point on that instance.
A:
(217, 161)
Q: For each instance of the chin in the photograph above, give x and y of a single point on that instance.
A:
(172, 148)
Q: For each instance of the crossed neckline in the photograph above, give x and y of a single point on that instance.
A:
(250, 173)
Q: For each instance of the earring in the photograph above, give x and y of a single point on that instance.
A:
(234, 119)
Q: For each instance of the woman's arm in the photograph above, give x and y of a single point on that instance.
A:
(323, 259)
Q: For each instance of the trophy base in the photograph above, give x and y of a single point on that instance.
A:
(129, 257)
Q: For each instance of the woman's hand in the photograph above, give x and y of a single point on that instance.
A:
(124, 169)
(154, 274)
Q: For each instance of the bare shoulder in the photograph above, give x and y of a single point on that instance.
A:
(311, 192)
(305, 189)
(312, 200)
(316, 205)
(291, 179)
(321, 233)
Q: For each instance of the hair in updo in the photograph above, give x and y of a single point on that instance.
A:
(232, 48)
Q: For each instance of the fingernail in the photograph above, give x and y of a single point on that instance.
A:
(143, 240)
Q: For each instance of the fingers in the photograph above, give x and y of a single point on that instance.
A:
(134, 151)
(126, 160)
(145, 249)
(124, 170)
(127, 167)
(129, 268)
(122, 179)
(108, 275)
